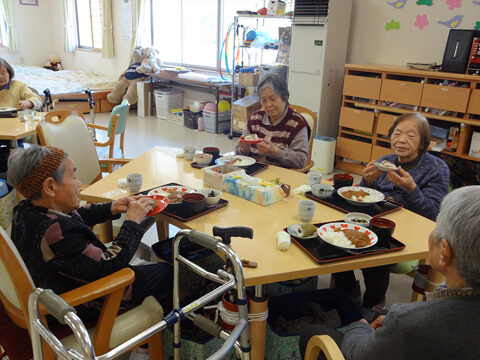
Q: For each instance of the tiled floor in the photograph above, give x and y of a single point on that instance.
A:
(144, 133)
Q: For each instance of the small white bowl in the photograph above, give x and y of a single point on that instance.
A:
(322, 191)
(203, 159)
(358, 218)
(211, 200)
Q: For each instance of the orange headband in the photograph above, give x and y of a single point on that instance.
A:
(33, 182)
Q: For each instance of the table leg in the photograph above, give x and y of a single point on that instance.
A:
(162, 230)
(258, 329)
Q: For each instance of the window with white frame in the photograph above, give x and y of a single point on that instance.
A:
(191, 32)
(89, 24)
(3, 29)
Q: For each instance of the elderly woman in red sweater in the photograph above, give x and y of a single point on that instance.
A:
(285, 132)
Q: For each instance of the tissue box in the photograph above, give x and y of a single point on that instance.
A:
(214, 175)
(252, 189)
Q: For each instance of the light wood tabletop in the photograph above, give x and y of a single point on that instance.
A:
(14, 129)
(160, 166)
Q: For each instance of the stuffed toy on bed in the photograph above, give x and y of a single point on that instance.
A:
(126, 87)
(152, 63)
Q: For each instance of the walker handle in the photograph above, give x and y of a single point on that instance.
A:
(55, 305)
(203, 239)
(226, 233)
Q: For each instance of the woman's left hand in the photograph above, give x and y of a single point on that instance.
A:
(25, 104)
(267, 148)
(403, 180)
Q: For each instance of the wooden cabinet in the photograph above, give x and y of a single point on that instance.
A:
(374, 96)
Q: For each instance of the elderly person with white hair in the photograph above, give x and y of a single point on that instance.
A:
(52, 232)
(446, 325)
(285, 132)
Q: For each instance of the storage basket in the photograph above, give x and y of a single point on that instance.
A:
(190, 119)
(175, 117)
(224, 119)
(215, 175)
(166, 100)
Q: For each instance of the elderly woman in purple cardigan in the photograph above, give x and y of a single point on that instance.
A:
(419, 184)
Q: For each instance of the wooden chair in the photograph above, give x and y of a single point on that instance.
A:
(67, 130)
(111, 330)
(322, 344)
(311, 118)
(116, 126)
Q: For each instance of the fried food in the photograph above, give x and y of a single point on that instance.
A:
(174, 196)
(358, 194)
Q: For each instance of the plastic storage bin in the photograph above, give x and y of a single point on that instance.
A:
(190, 119)
(224, 118)
(175, 117)
(166, 100)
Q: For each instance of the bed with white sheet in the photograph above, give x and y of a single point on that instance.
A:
(66, 83)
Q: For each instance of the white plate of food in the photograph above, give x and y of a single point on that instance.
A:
(347, 236)
(303, 231)
(251, 139)
(360, 196)
(173, 193)
(237, 160)
(7, 109)
(385, 165)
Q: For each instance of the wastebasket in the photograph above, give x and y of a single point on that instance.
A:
(323, 153)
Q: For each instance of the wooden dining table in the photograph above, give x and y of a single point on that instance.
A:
(161, 165)
(14, 129)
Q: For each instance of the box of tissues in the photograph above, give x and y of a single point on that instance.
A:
(253, 189)
(214, 175)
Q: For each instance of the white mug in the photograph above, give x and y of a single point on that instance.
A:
(306, 210)
(189, 152)
(134, 182)
(314, 177)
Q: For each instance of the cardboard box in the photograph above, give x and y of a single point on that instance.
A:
(243, 108)
(276, 7)
(475, 145)
(248, 79)
(145, 94)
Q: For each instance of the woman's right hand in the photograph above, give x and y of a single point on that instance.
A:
(245, 148)
(139, 208)
(371, 173)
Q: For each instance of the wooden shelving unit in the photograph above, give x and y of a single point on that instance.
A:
(365, 120)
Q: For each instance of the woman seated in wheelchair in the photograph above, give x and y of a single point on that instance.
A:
(53, 235)
(285, 132)
(446, 325)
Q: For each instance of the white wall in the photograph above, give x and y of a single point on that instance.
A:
(370, 43)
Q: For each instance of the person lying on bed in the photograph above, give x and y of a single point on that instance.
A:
(15, 93)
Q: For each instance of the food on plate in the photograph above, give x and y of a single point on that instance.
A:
(307, 229)
(174, 196)
(232, 160)
(388, 164)
(359, 220)
(359, 195)
(251, 137)
(347, 238)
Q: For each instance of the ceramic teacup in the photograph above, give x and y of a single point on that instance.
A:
(189, 152)
(306, 210)
(134, 182)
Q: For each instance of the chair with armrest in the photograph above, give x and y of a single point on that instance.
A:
(66, 129)
(322, 344)
(116, 126)
(311, 118)
(110, 331)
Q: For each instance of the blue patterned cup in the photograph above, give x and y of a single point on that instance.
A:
(306, 210)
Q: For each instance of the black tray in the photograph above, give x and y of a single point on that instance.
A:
(322, 252)
(337, 202)
(250, 170)
(8, 114)
(182, 213)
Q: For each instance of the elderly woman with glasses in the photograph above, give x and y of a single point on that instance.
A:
(446, 325)
(285, 132)
(53, 235)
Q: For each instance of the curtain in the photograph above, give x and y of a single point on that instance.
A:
(107, 39)
(138, 7)
(68, 37)
(11, 29)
